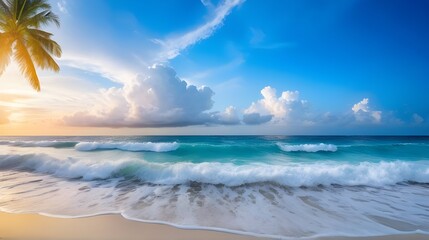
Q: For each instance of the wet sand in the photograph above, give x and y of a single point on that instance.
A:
(115, 227)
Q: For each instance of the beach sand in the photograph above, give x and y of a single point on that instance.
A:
(115, 227)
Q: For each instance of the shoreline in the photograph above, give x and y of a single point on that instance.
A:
(114, 226)
(105, 226)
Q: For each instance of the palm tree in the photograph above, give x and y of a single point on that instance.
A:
(21, 37)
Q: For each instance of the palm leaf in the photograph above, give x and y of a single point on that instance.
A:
(4, 8)
(32, 7)
(4, 14)
(40, 19)
(20, 35)
(41, 57)
(5, 50)
(22, 56)
(44, 38)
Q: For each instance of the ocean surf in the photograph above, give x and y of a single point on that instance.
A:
(266, 185)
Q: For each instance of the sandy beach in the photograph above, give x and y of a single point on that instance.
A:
(107, 227)
(112, 227)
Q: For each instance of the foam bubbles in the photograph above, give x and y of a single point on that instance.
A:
(308, 147)
(289, 174)
(278, 212)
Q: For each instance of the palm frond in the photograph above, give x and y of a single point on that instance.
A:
(22, 56)
(4, 8)
(40, 19)
(41, 57)
(3, 24)
(20, 35)
(44, 38)
(6, 42)
(32, 7)
(14, 8)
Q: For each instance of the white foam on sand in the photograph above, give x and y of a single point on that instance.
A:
(260, 209)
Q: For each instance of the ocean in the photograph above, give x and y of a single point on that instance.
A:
(275, 186)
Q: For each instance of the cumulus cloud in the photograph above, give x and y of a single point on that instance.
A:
(172, 47)
(230, 116)
(286, 108)
(156, 99)
(363, 113)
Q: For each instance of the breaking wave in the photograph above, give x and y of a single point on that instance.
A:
(292, 174)
(91, 146)
(308, 147)
(128, 146)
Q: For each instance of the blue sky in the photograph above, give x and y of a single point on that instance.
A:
(358, 66)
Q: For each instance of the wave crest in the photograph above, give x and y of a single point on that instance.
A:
(128, 146)
(291, 174)
(308, 147)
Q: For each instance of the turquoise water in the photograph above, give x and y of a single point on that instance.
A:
(285, 186)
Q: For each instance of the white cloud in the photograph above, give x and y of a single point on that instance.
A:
(118, 66)
(172, 47)
(286, 108)
(229, 117)
(157, 99)
(361, 106)
(363, 113)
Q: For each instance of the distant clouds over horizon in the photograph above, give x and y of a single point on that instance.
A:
(230, 66)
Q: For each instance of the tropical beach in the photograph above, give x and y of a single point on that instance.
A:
(214, 119)
(289, 187)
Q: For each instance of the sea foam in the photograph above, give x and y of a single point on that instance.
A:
(232, 183)
(128, 146)
(292, 174)
(91, 146)
(43, 143)
(308, 147)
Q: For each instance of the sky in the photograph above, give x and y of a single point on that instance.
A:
(310, 67)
